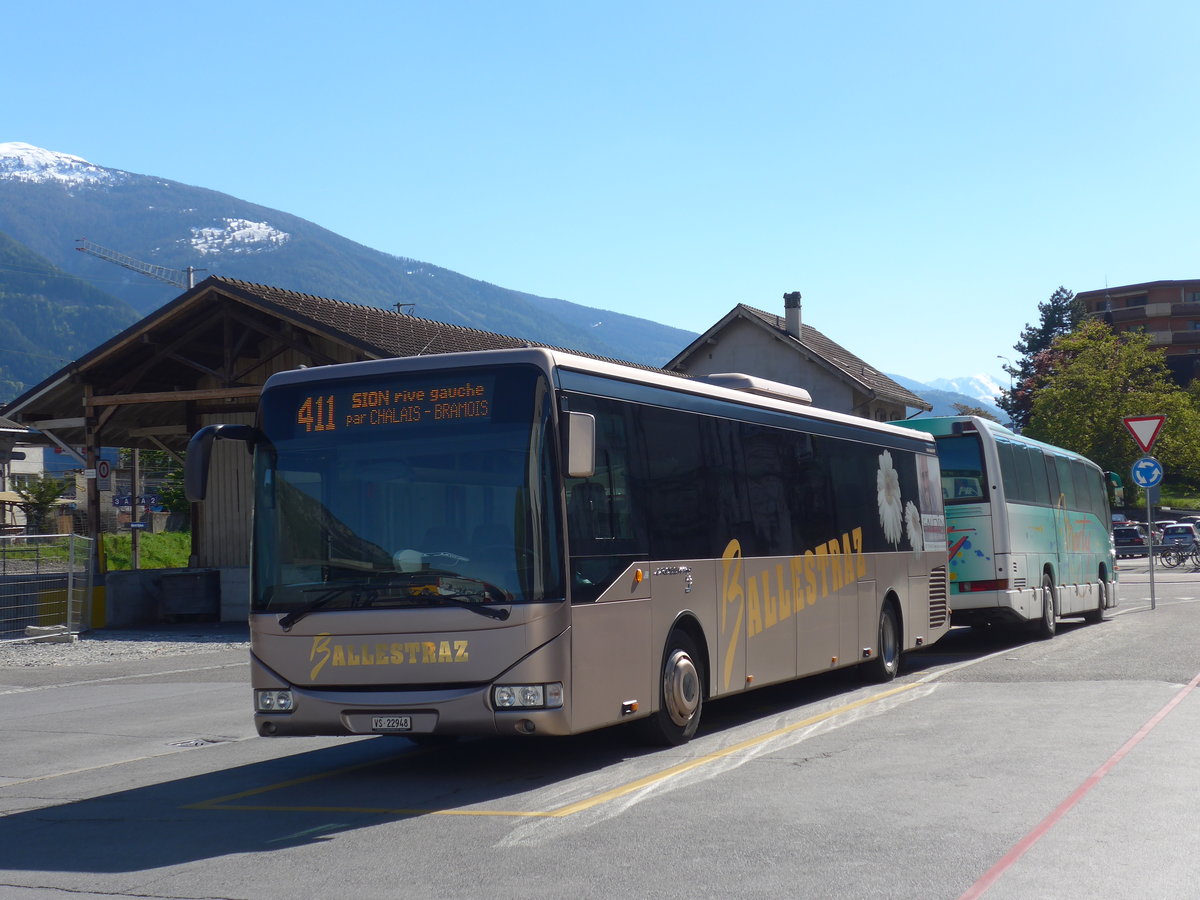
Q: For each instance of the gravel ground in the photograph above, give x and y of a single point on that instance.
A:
(119, 645)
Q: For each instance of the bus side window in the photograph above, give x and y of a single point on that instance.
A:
(1066, 482)
(1052, 479)
(602, 525)
(1040, 484)
(588, 513)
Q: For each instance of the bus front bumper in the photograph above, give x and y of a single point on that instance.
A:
(406, 710)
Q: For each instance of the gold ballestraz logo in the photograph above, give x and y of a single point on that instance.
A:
(763, 599)
(393, 653)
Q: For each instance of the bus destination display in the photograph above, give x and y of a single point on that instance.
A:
(401, 405)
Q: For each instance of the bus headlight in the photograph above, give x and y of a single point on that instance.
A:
(528, 696)
(273, 701)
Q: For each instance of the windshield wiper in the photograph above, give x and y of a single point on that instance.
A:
(286, 622)
(440, 595)
(463, 601)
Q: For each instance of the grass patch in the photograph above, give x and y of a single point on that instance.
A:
(168, 550)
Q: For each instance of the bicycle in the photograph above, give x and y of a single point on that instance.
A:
(1177, 554)
(1173, 556)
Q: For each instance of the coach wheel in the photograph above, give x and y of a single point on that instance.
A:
(1048, 623)
(681, 694)
(886, 664)
(1093, 616)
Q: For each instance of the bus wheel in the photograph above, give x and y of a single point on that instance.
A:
(886, 664)
(681, 695)
(1094, 616)
(1048, 623)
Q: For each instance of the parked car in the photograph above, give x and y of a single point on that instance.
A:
(1181, 534)
(1131, 540)
(1155, 533)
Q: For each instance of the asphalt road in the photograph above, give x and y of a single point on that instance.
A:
(992, 767)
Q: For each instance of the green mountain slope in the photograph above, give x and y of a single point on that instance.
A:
(48, 317)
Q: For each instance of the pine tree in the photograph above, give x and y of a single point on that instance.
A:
(1060, 315)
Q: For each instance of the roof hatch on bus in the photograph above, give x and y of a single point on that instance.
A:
(763, 387)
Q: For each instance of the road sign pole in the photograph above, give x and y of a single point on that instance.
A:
(1147, 473)
(1150, 523)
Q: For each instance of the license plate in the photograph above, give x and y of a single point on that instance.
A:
(391, 723)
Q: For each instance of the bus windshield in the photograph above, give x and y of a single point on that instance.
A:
(412, 490)
(964, 478)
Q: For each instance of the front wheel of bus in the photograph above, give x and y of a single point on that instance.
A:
(681, 695)
(1048, 623)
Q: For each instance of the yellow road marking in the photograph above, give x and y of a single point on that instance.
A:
(229, 802)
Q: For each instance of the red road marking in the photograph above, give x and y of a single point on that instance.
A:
(1040, 830)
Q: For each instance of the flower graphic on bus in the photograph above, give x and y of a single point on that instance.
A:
(891, 513)
(912, 521)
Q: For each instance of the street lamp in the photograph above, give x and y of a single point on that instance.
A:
(1007, 369)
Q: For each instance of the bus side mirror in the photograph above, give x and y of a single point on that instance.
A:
(581, 445)
(199, 452)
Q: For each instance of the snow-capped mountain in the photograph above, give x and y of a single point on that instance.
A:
(945, 400)
(24, 162)
(50, 200)
(981, 387)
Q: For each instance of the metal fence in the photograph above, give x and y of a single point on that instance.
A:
(45, 581)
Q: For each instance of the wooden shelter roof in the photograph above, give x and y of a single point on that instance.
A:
(209, 351)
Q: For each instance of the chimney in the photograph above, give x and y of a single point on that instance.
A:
(791, 310)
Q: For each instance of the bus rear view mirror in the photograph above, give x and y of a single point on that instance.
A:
(581, 445)
(199, 452)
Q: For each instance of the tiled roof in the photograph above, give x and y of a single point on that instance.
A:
(382, 332)
(841, 358)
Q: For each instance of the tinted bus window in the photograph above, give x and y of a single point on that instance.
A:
(1085, 489)
(1051, 478)
(1066, 482)
(1039, 489)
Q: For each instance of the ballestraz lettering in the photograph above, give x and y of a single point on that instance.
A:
(391, 653)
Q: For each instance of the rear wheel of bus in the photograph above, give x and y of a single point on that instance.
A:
(680, 694)
(886, 664)
(1048, 623)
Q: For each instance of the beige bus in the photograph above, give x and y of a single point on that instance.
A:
(529, 542)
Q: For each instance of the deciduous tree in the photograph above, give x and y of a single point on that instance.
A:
(1093, 379)
(39, 498)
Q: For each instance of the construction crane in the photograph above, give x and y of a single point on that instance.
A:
(181, 278)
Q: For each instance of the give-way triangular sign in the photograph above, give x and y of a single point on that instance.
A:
(1145, 430)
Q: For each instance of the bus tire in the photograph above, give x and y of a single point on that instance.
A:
(1045, 627)
(680, 694)
(1095, 616)
(886, 664)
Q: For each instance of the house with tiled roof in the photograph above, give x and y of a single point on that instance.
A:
(785, 349)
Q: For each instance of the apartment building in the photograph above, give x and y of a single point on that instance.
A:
(1168, 311)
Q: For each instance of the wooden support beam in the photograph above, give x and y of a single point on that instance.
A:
(173, 396)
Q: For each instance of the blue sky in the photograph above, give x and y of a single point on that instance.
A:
(924, 173)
